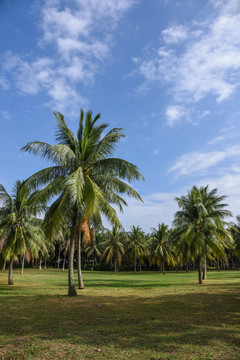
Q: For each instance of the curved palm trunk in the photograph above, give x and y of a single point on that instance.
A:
(45, 263)
(71, 285)
(200, 270)
(135, 265)
(80, 278)
(23, 261)
(115, 266)
(10, 273)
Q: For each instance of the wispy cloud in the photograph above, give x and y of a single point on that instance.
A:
(157, 208)
(201, 163)
(207, 63)
(175, 34)
(4, 83)
(175, 113)
(80, 36)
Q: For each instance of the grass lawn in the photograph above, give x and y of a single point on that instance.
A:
(123, 316)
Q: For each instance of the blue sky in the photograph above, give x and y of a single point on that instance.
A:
(165, 71)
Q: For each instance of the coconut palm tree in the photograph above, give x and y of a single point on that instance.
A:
(93, 250)
(136, 245)
(160, 247)
(84, 177)
(200, 224)
(114, 247)
(20, 228)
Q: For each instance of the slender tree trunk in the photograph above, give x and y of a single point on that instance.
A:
(140, 266)
(135, 265)
(71, 286)
(93, 242)
(115, 266)
(186, 266)
(163, 268)
(218, 265)
(80, 278)
(64, 259)
(58, 259)
(40, 261)
(204, 275)
(45, 264)
(4, 265)
(10, 273)
(200, 270)
(22, 267)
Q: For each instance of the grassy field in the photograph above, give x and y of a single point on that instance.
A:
(123, 316)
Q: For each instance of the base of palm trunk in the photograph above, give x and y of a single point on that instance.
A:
(10, 282)
(72, 291)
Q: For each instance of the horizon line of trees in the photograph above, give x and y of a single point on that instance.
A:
(83, 183)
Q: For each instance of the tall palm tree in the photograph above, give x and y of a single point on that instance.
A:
(160, 247)
(85, 178)
(136, 245)
(114, 247)
(20, 228)
(200, 224)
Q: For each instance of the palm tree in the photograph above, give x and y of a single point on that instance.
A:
(159, 247)
(114, 247)
(19, 226)
(93, 250)
(136, 245)
(199, 223)
(85, 178)
(235, 252)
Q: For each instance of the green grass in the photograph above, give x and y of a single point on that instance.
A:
(123, 316)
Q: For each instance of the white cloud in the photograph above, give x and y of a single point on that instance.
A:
(157, 208)
(175, 34)
(4, 83)
(80, 32)
(175, 113)
(208, 63)
(6, 115)
(205, 113)
(201, 162)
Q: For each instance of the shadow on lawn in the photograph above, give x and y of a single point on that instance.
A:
(164, 323)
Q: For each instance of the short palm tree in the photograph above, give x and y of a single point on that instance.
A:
(136, 245)
(200, 224)
(84, 177)
(160, 247)
(114, 247)
(20, 228)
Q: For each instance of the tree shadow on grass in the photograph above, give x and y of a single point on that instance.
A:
(164, 323)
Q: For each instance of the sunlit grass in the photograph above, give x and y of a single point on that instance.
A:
(123, 316)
